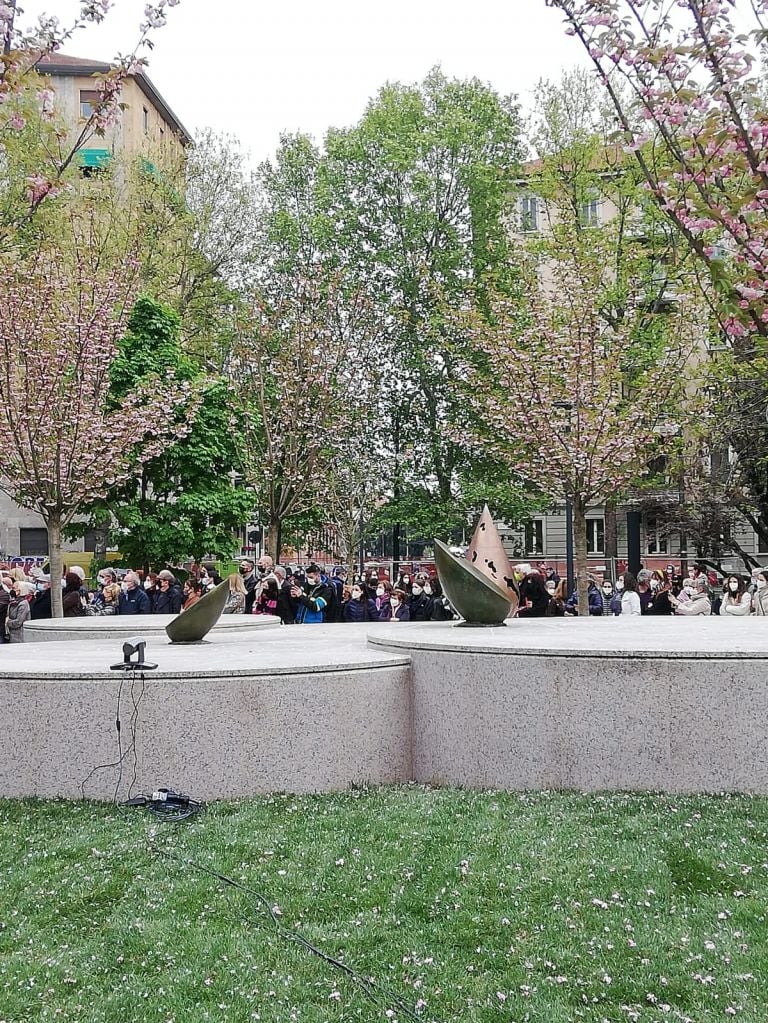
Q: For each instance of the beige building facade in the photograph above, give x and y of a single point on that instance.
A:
(145, 127)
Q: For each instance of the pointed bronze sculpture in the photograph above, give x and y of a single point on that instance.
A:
(190, 626)
(478, 599)
(481, 586)
(486, 552)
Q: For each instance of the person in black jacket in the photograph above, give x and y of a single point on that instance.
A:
(534, 598)
(169, 596)
(420, 604)
(247, 571)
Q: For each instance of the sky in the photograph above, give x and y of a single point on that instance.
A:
(255, 69)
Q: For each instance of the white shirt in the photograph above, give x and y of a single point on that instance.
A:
(630, 603)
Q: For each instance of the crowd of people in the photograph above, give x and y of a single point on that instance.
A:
(307, 596)
(296, 596)
(650, 592)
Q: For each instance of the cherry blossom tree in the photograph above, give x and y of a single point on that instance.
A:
(26, 102)
(63, 445)
(687, 83)
(303, 367)
(577, 402)
(692, 113)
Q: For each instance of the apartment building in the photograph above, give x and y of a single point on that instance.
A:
(640, 534)
(146, 126)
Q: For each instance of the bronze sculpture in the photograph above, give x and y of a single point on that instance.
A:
(481, 586)
(190, 626)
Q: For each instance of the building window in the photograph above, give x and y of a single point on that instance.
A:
(33, 541)
(529, 213)
(534, 536)
(589, 213)
(654, 542)
(595, 536)
(89, 101)
(145, 116)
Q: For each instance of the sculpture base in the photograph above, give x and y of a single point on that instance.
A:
(479, 625)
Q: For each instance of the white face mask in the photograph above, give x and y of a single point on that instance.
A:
(147, 584)
(417, 591)
(607, 589)
(688, 589)
(761, 584)
(428, 590)
(379, 591)
(654, 584)
(356, 594)
(550, 588)
(733, 587)
(619, 584)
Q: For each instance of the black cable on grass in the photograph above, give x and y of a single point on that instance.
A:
(372, 989)
(174, 808)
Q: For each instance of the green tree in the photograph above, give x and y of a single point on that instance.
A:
(186, 502)
(419, 192)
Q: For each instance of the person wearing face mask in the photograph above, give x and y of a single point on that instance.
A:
(18, 613)
(420, 604)
(606, 595)
(760, 596)
(644, 589)
(401, 611)
(248, 574)
(169, 597)
(313, 598)
(557, 598)
(41, 602)
(383, 600)
(698, 603)
(661, 588)
(736, 601)
(360, 607)
(404, 582)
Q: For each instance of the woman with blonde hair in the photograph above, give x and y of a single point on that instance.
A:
(235, 604)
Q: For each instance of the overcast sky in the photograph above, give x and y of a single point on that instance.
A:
(256, 68)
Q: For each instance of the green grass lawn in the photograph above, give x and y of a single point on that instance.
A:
(467, 906)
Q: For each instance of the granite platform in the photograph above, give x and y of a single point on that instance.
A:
(59, 630)
(670, 704)
(677, 705)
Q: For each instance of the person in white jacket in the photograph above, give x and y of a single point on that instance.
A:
(698, 603)
(630, 598)
(736, 601)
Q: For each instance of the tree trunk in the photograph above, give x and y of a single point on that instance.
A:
(580, 550)
(56, 559)
(272, 541)
(611, 540)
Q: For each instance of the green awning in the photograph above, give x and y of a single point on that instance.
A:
(94, 157)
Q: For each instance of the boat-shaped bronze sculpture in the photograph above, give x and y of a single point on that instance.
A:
(194, 623)
(478, 599)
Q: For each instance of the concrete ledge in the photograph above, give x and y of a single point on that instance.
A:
(674, 705)
(91, 627)
(678, 705)
(233, 718)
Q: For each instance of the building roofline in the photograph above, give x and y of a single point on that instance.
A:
(77, 66)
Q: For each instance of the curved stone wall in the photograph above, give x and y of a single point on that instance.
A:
(229, 717)
(59, 630)
(678, 705)
(674, 705)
